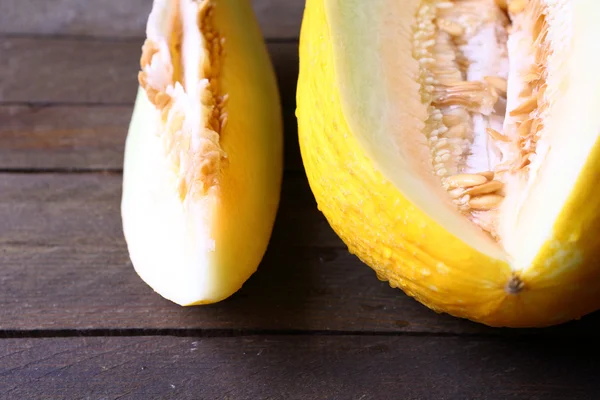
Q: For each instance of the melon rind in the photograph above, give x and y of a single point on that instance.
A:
(350, 105)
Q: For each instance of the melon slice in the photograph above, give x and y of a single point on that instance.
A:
(453, 145)
(203, 158)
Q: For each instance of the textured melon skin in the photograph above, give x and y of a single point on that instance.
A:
(397, 239)
(242, 206)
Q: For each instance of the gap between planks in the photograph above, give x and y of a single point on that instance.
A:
(556, 332)
(125, 19)
(116, 39)
(42, 171)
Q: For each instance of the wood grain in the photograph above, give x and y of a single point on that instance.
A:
(49, 71)
(63, 137)
(65, 266)
(75, 119)
(83, 209)
(312, 323)
(85, 137)
(298, 367)
(279, 19)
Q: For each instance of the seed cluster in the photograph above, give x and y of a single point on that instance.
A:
(475, 191)
(442, 28)
(196, 160)
(446, 126)
(459, 104)
(529, 113)
(212, 68)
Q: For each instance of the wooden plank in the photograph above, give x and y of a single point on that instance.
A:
(96, 72)
(84, 209)
(84, 137)
(298, 367)
(63, 137)
(64, 265)
(122, 19)
(88, 136)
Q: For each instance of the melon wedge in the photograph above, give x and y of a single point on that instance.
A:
(453, 146)
(203, 157)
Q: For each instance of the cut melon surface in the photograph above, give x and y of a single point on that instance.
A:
(453, 145)
(203, 157)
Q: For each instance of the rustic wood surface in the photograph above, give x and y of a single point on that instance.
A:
(296, 367)
(96, 72)
(84, 137)
(76, 322)
(65, 267)
(118, 19)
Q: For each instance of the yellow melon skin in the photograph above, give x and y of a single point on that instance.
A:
(203, 252)
(253, 140)
(399, 241)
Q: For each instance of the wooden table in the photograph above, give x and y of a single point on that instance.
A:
(313, 323)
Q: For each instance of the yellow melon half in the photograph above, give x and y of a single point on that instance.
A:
(203, 158)
(453, 146)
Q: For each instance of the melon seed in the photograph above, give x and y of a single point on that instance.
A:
(497, 83)
(465, 180)
(486, 188)
(486, 202)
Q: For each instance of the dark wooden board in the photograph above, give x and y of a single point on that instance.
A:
(298, 367)
(65, 266)
(63, 137)
(83, 209)
(120, 19)
(76, 322)
(73, 117)
(84, 137)
(68, 71)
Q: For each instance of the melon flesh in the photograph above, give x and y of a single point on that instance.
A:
(203, 158)
(398, 127)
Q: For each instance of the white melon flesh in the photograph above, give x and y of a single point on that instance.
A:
(170, 240)
(571, 129)
(170, 243)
